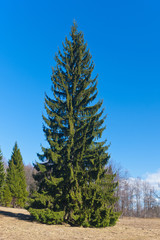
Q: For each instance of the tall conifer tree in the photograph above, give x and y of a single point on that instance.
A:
(16, 178)
(73, 166)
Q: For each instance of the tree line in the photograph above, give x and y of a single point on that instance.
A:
(137, 197)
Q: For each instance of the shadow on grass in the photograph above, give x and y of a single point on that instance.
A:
(20, 216)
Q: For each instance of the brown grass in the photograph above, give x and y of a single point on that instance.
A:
(16, 224)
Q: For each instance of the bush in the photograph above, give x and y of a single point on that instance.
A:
(47, 216)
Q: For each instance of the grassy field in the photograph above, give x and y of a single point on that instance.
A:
(16, 224)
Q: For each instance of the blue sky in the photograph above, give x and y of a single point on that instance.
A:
(123, 38)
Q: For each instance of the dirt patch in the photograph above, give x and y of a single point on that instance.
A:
(16, 224)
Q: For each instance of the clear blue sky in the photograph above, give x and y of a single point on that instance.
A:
(124, 40)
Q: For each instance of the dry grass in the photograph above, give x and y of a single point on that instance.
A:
(16, 224)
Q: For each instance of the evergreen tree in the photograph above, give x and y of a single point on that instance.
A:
(2, 174)
(6, 195)
(73, 167)
(16, 178)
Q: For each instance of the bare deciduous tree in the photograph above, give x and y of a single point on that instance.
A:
(137, 197)
(29, 171)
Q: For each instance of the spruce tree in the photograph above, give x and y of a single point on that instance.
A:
(2, 175)
(71, 173)
(6, 195)
(16, 178)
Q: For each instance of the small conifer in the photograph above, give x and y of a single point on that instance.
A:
(2, 174)
(16, 178)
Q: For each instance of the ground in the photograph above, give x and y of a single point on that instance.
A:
(16, 224)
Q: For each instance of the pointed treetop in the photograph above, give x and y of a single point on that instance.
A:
(15, 146)
(16, 156)
(74, 30)
(75, 25)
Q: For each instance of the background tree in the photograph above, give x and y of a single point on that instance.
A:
(137, 197)
(16, 178)
(6, 196)
(2, 175)
(71, 175)
(29, 172)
